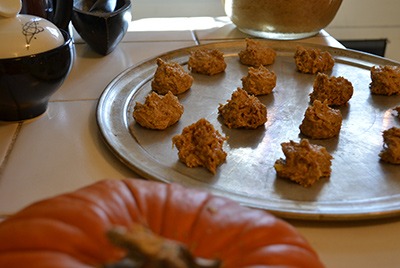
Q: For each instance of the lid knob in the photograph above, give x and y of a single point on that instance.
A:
(10, 8)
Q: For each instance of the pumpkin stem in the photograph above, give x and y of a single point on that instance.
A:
(146, 249)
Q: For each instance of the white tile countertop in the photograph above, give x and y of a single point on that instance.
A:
(62, 150)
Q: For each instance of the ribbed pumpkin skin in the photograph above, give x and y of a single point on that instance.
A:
(69, 230)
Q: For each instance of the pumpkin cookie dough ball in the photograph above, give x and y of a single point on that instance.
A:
(259, 81)
(385, 80)
(312, 61)
(243, 111)
(200, 145)
(321, 121)
(207, 61)
(391, 147)
(335, 90)
(158, 112)
(170, 76)
(257, 53)
(305, 163)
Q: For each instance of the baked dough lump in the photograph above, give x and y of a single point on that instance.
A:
(207, 61)
(321, 121)
(391, 146)
(158, 112)
(336, 91)
(305, 163)
(312, 61)
(200, 145)
(385, 80)
(243, 111)
(257, 53)
(259, 81)
(170, 76)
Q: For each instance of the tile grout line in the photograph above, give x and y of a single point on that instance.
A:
(75, 100)
(10, 148)
(195, 37)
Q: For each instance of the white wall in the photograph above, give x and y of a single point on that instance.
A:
(176, 8)
(356, 19)
(369, 19)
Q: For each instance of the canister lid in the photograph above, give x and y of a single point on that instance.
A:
(24, 35)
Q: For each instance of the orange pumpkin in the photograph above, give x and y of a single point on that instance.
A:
(69, 230)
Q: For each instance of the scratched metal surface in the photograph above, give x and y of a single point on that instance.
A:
(360, 187)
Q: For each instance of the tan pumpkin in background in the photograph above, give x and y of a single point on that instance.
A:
(69, 230)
